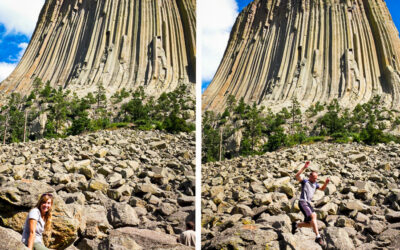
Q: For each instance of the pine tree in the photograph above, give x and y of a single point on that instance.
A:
(15, 121)
(59, 109)
(100, 95)
(295, 113)
(254, 125)
(210, 138)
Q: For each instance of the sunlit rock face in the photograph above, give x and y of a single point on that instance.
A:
(78, 44)
(312, 50)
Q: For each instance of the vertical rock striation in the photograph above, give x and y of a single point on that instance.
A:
(119, 43)
(312, 50)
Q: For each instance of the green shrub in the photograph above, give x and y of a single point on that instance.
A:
(314, 109)
(393, 138)
(340, 137)
(118, 125)
(80, 125)
(276, 141)
(296, 138)
(313, 139)
(174, 124)
(355, 137)
(245, 147)
(101, 123)
(372, 136)
(145, 125)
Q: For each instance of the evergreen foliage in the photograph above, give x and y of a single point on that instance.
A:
(210, 137)
(66, 114)
(264, 131)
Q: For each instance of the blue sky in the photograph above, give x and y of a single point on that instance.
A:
(242, 4)
(394, 8)
(16, 27)
(393, 5)
(211, 59)
(10, 45)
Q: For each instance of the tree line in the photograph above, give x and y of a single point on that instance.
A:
(67, 114)
(248, 129)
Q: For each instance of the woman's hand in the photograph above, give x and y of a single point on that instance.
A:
(32, 230)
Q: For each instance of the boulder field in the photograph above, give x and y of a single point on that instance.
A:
(250, 203)
(120, 189)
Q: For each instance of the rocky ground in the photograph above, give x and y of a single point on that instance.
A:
(250, 203)
(121, 189)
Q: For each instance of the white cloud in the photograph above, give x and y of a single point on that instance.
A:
(23, 47)
(15, 57)
(20, 16)
(6, 69)
(217, 19)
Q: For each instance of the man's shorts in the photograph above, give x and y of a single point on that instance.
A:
(306, 209)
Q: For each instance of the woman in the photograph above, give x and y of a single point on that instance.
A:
(38, 221)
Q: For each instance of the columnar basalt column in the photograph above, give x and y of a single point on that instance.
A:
(119, 43)
(312, 50)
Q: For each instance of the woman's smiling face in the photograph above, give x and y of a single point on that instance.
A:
(44, 208)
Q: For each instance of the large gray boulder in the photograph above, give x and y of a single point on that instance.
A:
(122, 215)
(134, 238)
(11, 240)
(97, 225)
(337, 238)
(241, 236)
(23, 193)
(89, 244)
(299, 242)
(279, 222)
(393, 217)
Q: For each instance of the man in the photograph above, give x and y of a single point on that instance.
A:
(308, 188)
(188, 237)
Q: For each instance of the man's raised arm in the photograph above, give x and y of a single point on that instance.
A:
(301, 171)
(325, 184)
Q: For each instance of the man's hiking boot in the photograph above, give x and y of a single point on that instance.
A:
(294, 227)
(320, 241)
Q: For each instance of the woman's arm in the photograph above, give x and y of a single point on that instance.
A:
(32, 234)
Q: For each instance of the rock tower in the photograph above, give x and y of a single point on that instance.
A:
(312, 50)
(119, 43)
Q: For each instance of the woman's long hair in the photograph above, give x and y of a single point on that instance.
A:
(47, 217)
